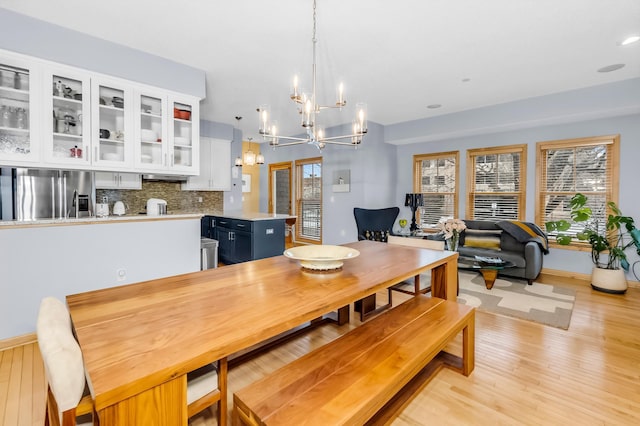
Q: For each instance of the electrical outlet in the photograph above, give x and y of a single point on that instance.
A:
(199, 199)
(121, 274)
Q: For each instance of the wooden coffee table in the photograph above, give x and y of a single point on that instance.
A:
(489, 271)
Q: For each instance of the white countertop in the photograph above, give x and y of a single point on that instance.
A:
(253, 216)
(12, 224)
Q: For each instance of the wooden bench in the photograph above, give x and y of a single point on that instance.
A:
(348, 380)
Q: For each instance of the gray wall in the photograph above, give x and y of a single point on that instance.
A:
(29, 36)
(61, 260)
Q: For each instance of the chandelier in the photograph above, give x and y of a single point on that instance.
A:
(309, 109)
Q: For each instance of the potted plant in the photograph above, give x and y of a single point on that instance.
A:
(613, 237)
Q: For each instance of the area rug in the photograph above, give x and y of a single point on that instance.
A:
(543, 303)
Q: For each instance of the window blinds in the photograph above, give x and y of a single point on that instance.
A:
(436, 180)
(496, 191)
(575, 166)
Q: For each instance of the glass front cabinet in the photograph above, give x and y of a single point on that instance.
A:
(112, 129)
(151, 134)
(66, 138)
(184, 145)
(53, 115)
(18, 112)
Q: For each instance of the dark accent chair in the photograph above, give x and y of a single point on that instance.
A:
(375, 220)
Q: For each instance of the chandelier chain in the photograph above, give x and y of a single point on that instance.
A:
(314, 21)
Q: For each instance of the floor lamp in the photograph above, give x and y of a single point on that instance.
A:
(413, 201)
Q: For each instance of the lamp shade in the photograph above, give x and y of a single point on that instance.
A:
(413, 200)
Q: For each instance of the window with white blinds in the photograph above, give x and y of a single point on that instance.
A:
(309, 200)
(496, 183)
(568, 167)
(436, 177)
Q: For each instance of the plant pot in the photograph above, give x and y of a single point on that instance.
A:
(609, 280)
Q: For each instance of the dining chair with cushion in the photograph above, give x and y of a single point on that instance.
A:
(67, 395)
(68, 400)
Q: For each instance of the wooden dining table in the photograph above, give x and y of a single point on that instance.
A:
(140, 340)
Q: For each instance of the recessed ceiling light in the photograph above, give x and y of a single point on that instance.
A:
(610, 68)
(629, 40)
(434, 106)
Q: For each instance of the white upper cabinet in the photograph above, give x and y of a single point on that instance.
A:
(66, 118)
(215, 167)
(19, 114)
(184, 134)
(112, 124)
(53, 115)
(151, 135)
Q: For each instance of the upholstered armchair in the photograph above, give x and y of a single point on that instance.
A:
(375, 224)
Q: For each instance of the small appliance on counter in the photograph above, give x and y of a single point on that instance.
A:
(118, 208)
(156, 207)
(102, 209)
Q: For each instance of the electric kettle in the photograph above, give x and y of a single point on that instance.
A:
(118, 208)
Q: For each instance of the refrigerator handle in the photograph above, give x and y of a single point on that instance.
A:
(53, 197)
(63, 197)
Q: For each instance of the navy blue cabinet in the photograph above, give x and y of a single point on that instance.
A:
(242, 240)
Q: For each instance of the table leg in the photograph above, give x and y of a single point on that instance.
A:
(489, 276)
(155, 406)
(444, 280)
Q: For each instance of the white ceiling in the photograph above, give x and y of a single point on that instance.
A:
(397, 56)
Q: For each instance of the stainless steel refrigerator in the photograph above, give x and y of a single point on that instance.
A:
(32, 194)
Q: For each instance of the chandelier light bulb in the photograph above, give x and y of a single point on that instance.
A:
(264, 120)
(294, 93)
(341, 102)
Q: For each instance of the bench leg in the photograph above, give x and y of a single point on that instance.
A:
(469, 346)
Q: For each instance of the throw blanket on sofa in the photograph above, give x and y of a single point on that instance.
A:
(525, 232)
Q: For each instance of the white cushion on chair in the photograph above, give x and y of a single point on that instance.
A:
(61, 353)
(200, 382)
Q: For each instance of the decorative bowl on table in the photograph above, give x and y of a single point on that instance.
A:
(321, 257)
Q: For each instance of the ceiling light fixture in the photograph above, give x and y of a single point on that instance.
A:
(630, 39)
(250, 158)
(610, 68)
(309, 108)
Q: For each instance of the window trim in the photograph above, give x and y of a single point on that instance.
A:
(613, 142)
(298, 185)
(417, 177)
(497, 150)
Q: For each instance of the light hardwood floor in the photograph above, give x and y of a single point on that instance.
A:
(525, 373)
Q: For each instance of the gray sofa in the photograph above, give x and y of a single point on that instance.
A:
(526, 255)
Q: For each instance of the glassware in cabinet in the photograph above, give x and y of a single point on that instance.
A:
(67, 105)
(151, 128)
(112, 126)
(16, 112)
(184, 132)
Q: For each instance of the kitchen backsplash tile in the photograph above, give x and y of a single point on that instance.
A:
(178, 201)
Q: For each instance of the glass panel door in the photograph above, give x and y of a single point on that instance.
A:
(183, 132)
(68, 99)
(15, 112)
(152, 136)
(112, 124)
